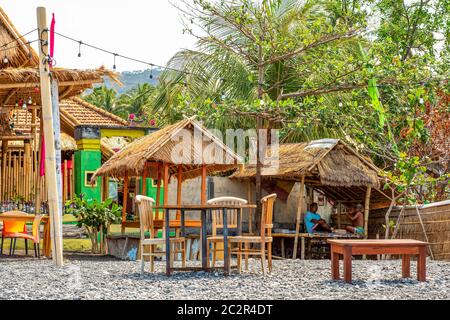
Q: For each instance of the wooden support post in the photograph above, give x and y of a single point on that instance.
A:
(126, 181)
(250, 211)
(300, 203)
(203, 195)
(339, 214)
(158, 191)
(166, 183)
(179, 188)
(50, 161)
(366, 212)
(144, 180)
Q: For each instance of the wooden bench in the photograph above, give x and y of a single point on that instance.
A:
(405, 248)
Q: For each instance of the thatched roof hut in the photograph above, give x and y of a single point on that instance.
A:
(161, 146)
(328, 165)
(19, 77)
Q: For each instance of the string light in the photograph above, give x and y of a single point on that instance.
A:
(114, 66)
(79, 48)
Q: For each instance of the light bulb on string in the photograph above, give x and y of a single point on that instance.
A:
(151, 71)
(79, 48)
(5, 60)
(114, 66)
(30, 101)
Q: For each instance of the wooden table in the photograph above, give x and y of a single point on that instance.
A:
(304, 236)
(405, 248)
(46, 247)
(203, 209)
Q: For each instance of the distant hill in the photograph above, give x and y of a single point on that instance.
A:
(131, 79)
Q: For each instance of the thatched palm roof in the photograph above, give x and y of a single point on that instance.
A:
(329, 165)
(332, 161)
(19, 54)
(19, 77)
(162, 145)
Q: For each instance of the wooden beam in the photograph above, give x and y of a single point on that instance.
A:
(179, 188)
(166, 183)
(31, 85)
(300, 204)
(50, 153)
(158, 191)
(144, 179)
(126, 181)
(203, 190)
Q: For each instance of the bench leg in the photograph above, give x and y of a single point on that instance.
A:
(335, 266)
(406, 266)
(348, 264)
(422, 264)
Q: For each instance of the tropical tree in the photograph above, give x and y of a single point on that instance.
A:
(136, 103)
(103, 97)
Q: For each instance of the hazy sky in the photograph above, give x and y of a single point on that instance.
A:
(149, 30)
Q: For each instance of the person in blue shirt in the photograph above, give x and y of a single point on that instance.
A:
(314, 222)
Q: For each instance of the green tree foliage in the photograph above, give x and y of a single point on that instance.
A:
(96, 217)
(368, 72)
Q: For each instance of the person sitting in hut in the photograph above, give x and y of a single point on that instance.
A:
(314, 222)
(356, 216)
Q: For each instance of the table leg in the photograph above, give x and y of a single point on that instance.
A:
(422, 264)
(348, 264)
(283, 251)
(204, 238)
(406, 266)
(167, 235)
(226, 258)
(334, 264)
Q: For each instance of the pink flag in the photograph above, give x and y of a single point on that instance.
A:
(52, 36)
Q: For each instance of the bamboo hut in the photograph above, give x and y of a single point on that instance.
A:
(20, 112)
(329, 167)
(155, 156)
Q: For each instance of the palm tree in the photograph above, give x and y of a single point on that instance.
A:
(137, 101)
(104, 98)
(223, 74)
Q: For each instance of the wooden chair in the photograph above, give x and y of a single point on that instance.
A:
(18, 230)
(264, 238)
(217, 221)
(145, 208)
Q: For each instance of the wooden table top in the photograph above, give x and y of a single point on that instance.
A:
(25, 217)
(204, 207)
(384, 243)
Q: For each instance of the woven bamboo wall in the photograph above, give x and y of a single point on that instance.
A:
(436, 219)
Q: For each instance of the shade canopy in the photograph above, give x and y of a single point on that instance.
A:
(328, 165)
(186, 143)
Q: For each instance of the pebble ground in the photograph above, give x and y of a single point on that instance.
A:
(96, 278)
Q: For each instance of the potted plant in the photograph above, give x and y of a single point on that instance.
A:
(96, 217)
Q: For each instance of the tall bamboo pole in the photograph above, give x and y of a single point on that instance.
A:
(300, 204)
(50, 154)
